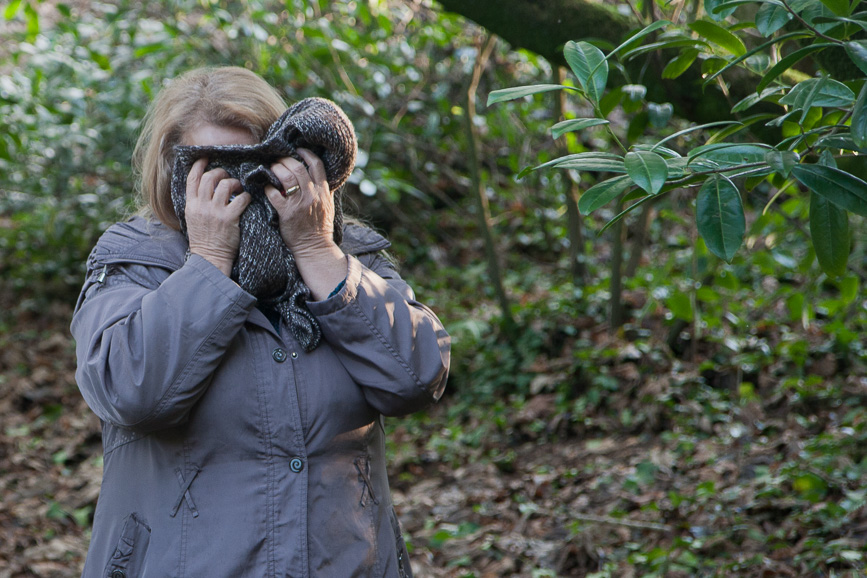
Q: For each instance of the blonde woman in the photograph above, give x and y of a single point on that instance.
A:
(234, 445)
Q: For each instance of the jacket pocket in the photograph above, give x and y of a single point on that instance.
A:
(129, 554)
(404, 569)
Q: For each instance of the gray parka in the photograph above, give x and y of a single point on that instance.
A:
(229, 451)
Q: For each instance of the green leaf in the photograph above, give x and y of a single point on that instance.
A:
(717, 10)
(844, 190)
(679, 42)
(782, 161)
(771, 17)
(659, 114)
(11, 9)
(719, 36)
(593, 162)
(787, 62)
(838, 141)
(637, 125)
(584, 58)
(632, 40)
(576, 156)
(720, 217)
(611, 99)
(816, 92)
(693, 129)
(758, 49)
(724, 155)
(756, 97)
(680, 306)
(857, 51)
(829, 229)
(562, 128)
(745, 123)
(647, 170)
(602, 193)
(32, 19)
(838, 7)
(680, 64)
(521, 91)
(859, 119)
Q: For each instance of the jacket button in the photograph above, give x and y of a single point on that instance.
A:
(118, 573)
(279, 355)
(296, 465)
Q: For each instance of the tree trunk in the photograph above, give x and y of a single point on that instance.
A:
(483, 209)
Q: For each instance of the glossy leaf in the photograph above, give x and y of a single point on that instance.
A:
(787, 62)
(841, 140)
(782, 161)
(719, 36)
(693, 129)
(857, 51)
(573, 157)
(829, 230)
(724, 155)
(744, 123)
(648, 170)
(593, 164)
(522, 91)
(818, 92)
(758, 50)
(602, 193)
(841, 188)
(584, 58)
(838, 7)
(770, 17)
(659, 114)
(755, 98)
(633, 40)
(859, 119)
(562, 128)
(680, 64)
(718, 9)
(720, 217)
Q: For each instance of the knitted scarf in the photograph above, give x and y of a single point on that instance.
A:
(265, 266)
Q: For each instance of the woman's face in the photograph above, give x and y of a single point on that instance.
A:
(214, 135)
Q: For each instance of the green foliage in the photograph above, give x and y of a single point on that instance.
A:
(820, 117)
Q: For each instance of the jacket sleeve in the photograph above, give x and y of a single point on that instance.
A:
(394, 347)
(147, 347)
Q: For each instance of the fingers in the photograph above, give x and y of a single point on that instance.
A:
(292, 172)
(288, 177)
(195, 176)
(211, 180)
(225, 189)
(314, 165)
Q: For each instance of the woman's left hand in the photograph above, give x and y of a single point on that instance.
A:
(307, 221)
(307, 212)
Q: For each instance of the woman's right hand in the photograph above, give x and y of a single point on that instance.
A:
(212, 218)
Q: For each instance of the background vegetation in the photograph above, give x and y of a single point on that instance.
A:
(658, 368)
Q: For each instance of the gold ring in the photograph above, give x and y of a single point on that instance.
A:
(292, 190)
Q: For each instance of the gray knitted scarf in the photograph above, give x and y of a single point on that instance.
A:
(265, 267)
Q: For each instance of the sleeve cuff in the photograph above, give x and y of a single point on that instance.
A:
(221, 282)
(344, 295)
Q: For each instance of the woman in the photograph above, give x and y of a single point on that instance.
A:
(231, 449)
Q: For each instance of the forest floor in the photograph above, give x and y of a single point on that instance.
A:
(659, 473)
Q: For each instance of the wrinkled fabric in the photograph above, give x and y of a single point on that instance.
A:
(230, 450)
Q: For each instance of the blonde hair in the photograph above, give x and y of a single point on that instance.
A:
(227, 96)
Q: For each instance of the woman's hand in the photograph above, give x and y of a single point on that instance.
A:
(306, 214)
(212, 218)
